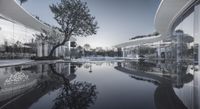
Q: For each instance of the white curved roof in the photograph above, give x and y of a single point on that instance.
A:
(13, 11)
(167, 14)
(139, 41)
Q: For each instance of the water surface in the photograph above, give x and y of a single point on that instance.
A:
(100, 85)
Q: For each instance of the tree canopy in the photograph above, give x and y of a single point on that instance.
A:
(74, 19)
(22, 1)
(87, 47)
(52, 37)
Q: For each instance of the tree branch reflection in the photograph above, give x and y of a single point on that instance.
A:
(75, 95)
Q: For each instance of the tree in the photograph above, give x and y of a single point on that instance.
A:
(22, 1)
(52, 37)
(74, 19)
(87, 47)
(73, 44)
(79, 48)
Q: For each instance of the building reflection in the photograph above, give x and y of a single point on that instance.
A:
(14, 81)
(26, 84)
(177, 84)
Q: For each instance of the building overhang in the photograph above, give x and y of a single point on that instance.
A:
(139, 41)
(12, 11)
(168, 15)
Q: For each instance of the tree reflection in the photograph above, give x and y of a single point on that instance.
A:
(75, 95)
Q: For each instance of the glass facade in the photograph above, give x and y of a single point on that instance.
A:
(17, 41)
(190, 41)
(191, 32)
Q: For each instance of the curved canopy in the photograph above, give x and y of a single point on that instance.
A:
(139, 41)
(168, 13)
(12, 10)
(15, 13)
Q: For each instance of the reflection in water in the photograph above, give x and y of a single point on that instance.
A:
(47, 78)
(161, 75)
(165, 98)
(165, 85)
(76, 95)
(16, 78)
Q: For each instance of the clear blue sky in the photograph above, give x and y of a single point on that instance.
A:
(119, 20)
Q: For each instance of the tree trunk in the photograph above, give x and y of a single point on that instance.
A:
(53, 49)
(58, 45)
(65, 80)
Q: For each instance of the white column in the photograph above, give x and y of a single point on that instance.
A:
(123, 52)
(57, 52)
(197, 29)
(69, 46)
(196, 89)
(39, 49)
(179, 35)
(67, 49)
(197, 42)
(159, 51)
(69, 68)
(46, 49)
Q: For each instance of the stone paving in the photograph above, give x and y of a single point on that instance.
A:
(4, 63)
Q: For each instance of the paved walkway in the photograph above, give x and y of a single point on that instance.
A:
(12, 62)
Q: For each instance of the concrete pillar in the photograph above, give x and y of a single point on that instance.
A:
(123, 52)
(69, 68)
(39, 49)
(67, 49)
(179, 37)
(57, 52)
(196, 94)
(196, 89)
(197, 29)
(159, 51)
(46, 50)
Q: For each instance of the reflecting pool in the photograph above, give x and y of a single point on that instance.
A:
(100, 85)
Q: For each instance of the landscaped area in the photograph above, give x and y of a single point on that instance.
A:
(99, 54)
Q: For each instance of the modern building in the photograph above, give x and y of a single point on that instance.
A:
(17, 32)
(179, 19)
(182, 16)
